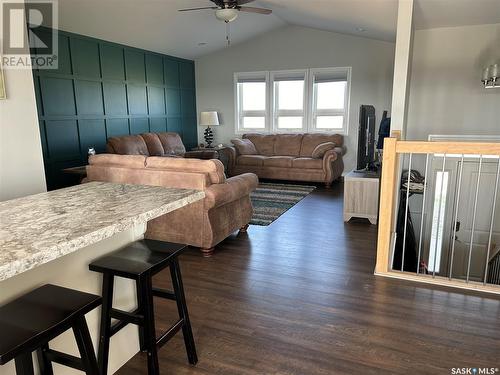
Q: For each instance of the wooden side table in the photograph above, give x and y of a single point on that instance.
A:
(361, 196)
(222, 156)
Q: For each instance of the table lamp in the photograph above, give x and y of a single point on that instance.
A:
(209, 119)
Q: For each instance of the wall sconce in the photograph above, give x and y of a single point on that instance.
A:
(490, 77)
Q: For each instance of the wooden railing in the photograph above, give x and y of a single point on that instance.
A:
(394, 149)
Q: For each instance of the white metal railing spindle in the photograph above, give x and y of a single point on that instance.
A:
(474, 216)
(423, 211)
(457, 200)
(491, 224)
(439, 217)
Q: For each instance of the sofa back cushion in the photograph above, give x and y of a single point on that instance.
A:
(311, 140)
(214, 169)
(127, 145)
(244, 146)
(153, 143)
(172, 143)
(288, 144)
(264, 143)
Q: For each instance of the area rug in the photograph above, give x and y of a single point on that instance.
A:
(270, 201)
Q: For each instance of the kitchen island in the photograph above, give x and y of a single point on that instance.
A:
(52, 237)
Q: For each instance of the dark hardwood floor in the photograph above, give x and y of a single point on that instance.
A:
(299, 297)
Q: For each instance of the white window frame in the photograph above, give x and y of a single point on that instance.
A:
(313, 113)
(240, 114)
(276, 112)
(309, 111)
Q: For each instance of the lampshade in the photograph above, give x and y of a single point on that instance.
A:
(209, 119)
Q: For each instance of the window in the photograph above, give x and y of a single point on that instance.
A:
(289, 96)
(293, 101)
(251, 101)
(330, 99)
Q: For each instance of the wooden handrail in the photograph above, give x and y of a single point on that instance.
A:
(473, 148)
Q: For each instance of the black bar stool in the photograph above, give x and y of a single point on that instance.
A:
(29, 322)
(140, 261)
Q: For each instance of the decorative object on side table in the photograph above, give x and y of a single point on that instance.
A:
(209, 119)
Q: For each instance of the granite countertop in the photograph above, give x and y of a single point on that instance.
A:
(39, 228)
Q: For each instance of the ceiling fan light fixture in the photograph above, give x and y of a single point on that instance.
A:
(226, 14)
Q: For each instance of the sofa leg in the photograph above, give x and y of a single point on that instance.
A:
(244, 228)
(207, 253)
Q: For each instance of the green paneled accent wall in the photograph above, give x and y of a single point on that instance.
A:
(102, 90)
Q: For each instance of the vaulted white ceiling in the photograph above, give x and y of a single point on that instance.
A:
(157, 25)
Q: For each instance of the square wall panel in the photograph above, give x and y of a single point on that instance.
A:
(62, 139)
(88, 98)
(188, 102)
(63, 56)
(186, 70)
(92, 134)
(158, 125)
(57, 96)
(174, 124)
(117, 127)
(139, 125)
(190, 132)
(115, 98)
(173, 102)
(154, 69)
(112, 62)
(137, 101)
(171, 68)
(156, 101)
(85, 58)
(134, 66)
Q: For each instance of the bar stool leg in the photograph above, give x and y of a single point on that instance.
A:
(140, 307)
(175, 273)
(105, 330)
(149, 326)
(44, 364)
(24, 364)
(84, 342)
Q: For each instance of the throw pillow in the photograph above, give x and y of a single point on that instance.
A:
(244, 146)
(321, 149)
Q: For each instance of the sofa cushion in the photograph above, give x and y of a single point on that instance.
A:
(310, 141)
(288, 144)
(244, 146)
(172, 143)
(153, 143)
(279, 161)
(251, 160)
(263, 143)
(127, 145)
(320, 150)
(213, 168)
(307, 163)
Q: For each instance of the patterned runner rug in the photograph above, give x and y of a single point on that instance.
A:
(270, 201)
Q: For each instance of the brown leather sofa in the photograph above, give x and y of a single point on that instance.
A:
(289, 157)
(225, 208)
(155, 144)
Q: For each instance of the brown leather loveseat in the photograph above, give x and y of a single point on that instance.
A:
(314, 157)
(225, 209)
(155, 144)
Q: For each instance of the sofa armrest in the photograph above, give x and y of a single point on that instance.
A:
(230, 155)
(202, 154)
(234, 188)
(333, 164)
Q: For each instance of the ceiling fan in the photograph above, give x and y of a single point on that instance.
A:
(227, 10)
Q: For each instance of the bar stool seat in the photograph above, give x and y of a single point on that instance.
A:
(29, 322)
(140, 261)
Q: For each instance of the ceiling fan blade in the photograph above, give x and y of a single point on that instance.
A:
(255, 10)
(242, 2)
(190, 9)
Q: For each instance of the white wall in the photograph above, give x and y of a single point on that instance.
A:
(21, 160)
(446, 94)
(294, 47)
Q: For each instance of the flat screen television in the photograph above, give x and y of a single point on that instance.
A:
(366, 138)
